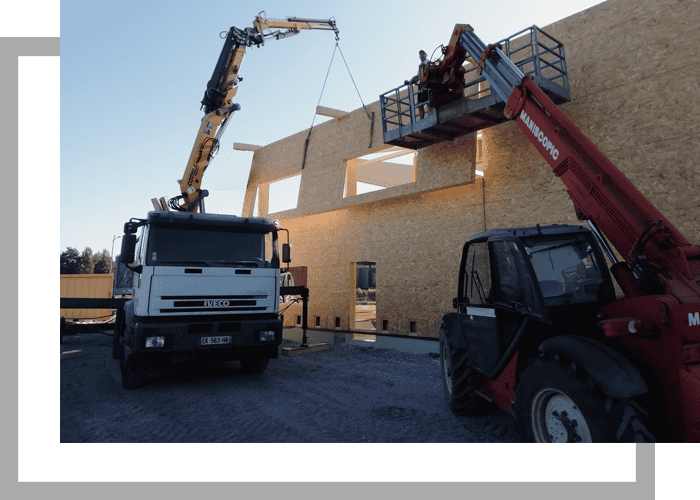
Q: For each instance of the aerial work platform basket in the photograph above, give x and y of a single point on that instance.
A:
(408, 121)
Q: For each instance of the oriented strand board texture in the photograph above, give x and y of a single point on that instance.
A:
(86, 286)
(416, 254)
(334, 142)
(634, 73)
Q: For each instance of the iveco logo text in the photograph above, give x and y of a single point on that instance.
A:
(693, 319)
(216, 303)
(540, 135)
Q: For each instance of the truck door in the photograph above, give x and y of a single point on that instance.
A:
(497, 294)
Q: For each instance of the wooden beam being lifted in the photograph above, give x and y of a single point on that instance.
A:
(402, 152)
(239, 146)
(333, 113)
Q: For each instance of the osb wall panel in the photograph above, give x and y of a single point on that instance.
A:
(415, 241)
(635, 80)
(333, 142)
(634, 69)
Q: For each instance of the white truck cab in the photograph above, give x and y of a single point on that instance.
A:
(205, 288)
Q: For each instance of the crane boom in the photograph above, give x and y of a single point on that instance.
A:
(218, 102)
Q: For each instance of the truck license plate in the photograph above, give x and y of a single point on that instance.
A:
(214, 340)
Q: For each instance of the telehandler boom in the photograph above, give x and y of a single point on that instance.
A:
(538, 328)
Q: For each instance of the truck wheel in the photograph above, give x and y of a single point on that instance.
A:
(133, 373)
(117, 347)
(458, 379)
(556, 402)
(254, 364)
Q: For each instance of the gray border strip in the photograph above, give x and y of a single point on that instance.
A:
(10, 50)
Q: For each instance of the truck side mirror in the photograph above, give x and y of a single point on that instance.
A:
(128, 249)
(286, 253)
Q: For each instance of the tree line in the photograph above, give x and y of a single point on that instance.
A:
(87, 262)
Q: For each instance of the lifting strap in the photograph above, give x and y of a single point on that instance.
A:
(370, 117)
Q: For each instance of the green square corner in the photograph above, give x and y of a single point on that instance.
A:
(31, 18)
(676, 467)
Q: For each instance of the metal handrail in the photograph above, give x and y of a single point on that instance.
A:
(399, 111)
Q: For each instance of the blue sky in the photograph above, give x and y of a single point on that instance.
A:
(133, 74)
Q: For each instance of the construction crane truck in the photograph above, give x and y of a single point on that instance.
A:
(538, 328)
(218, 102)
(206, 287)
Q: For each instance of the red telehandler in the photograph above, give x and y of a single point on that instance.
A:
(538, 328)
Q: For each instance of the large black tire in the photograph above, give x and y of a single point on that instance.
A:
(117, 347)
(458, 379)
(133, 373)
(556, 401)
(254, 364)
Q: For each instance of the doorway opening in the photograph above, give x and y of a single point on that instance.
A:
(365, 299)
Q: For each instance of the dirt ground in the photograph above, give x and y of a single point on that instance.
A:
(348, 394)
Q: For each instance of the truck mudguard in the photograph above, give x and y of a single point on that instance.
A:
(609, 369)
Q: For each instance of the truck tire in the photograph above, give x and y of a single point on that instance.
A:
(117, 347)
(458, 379)
(133, 373)
(254, 364)
(557, 402)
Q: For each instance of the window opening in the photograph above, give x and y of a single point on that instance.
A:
(284, 194)
(479, 154)
(256, 202)
(389, 167)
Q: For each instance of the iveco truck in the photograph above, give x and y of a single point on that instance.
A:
(205, 288)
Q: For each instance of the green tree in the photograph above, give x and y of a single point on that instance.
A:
(87, 263)
(70, 261)
(102, 263)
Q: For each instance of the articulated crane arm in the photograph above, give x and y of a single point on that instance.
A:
(218, 100)
(659, 258)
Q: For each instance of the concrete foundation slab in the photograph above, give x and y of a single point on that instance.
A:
(296, 351)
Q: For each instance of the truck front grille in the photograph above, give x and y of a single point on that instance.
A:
(213, 304)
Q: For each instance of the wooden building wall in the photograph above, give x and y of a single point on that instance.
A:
(634, 73)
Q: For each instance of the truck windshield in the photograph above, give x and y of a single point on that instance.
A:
(567, 270)
(204, 247)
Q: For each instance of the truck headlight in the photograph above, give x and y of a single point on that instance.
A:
(267, 336)
(155, 341)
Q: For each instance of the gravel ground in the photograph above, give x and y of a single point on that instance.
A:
(348, 394)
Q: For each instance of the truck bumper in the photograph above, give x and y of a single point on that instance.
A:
(228, 339)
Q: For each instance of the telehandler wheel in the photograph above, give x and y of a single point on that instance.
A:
(254, 364)
(458, 379)
(556, 402)
(133, 373)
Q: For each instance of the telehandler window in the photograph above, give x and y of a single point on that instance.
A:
(567, 269)
(477, 278)
(513, 281)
